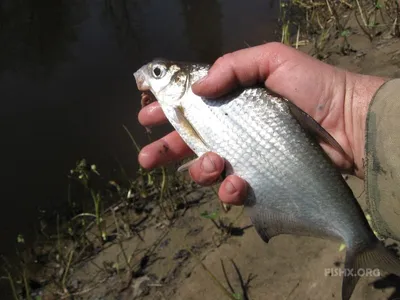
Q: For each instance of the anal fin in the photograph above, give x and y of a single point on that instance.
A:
(186, 166)
(270, 223)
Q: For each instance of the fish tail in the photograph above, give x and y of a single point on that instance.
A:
(367, 262)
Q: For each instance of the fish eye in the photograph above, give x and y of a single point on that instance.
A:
(158, 71)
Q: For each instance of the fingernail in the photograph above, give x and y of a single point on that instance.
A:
(144, 159)
(143, 154)
(207, 165)
(230, 188)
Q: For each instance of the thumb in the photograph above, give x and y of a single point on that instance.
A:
(239, 68)
(284, 70)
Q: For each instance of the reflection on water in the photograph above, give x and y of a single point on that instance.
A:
(203, 20)
(124, 18)
(66, 83)
(35, 35)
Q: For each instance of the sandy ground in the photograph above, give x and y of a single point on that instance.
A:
(289, 267)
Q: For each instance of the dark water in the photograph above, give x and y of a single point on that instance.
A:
(66, 84)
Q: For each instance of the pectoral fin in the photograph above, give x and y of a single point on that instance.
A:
(308, 123)
(189, 135)
(187, 165)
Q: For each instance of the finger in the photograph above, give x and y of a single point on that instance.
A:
(286, 71)
(207, 169)
(167, 149)
(317, 88)
(233, 190)
(151, 115)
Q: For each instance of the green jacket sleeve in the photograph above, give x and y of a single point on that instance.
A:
(382, 160)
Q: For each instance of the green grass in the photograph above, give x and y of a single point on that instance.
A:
(98, 209)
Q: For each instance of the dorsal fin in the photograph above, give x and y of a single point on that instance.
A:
(314, 127)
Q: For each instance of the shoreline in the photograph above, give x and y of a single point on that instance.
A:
(157, 226)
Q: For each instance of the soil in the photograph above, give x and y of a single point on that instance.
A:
(167, 256)
(288, 267)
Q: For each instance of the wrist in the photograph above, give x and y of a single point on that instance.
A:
(360, 90)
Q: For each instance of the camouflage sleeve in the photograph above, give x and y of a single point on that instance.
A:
(382, 160)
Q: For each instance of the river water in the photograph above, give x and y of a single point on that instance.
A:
(66, 84)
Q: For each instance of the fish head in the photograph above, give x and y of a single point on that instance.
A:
(167, 81)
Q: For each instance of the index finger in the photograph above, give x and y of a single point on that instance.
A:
(151, 115)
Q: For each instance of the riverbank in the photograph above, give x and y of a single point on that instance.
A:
(166, 238)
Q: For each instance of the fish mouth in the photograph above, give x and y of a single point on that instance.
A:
(140, 79)
(147, 96)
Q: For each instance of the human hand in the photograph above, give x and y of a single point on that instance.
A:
(335, 98)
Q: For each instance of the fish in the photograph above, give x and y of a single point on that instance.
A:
(293, 186)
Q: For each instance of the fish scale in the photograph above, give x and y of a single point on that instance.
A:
(294, 188)
(251, 130)
(278, 166)
(271, 164)
(275, 168)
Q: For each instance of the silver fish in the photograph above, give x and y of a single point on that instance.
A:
(294, 188)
